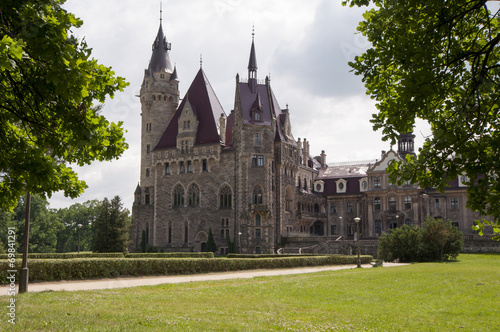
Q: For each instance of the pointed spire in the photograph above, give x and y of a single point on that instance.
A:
(174, 75)
(252, 62)
(160, 58)
(252, 66)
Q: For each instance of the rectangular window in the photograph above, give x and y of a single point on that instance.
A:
(258, 161)
(376, 182)
(378, 227)
(190, 167)
(334, 229)
(205, 166)
(182, 167)
(167, 168)
(257, 233)
(147, 172)
(407, 202)
(148, 148)
(333, 209)
(257, 141)
(349, 208)
(377, 204)
(437, 203)
(454, 203)
(350, 229)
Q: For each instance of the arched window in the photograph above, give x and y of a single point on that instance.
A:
(178, 196)
(204, 165)
(194, 195)
(257, 195)
(182, 167)
(167, 168)
(225, 199)
(190, 167)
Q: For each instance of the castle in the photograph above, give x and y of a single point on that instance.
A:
(243, 177)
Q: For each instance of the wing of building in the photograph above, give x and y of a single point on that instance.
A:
(243, 175)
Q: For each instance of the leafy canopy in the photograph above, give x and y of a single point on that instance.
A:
(48, 118)
(438, 61)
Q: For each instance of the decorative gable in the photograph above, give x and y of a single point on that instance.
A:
(319, 186)
(385, 161)
(363, 184)
(187, 127)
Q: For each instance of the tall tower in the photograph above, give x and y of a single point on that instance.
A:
(159, 100)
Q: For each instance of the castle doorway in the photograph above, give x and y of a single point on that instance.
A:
(201, 239)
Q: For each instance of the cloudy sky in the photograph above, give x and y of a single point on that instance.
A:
(304, 47)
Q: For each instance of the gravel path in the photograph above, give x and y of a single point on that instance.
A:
(78, 285)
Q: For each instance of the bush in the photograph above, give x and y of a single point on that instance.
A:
(171, 255)
(67, 269)
(437, 241)
(63, 255)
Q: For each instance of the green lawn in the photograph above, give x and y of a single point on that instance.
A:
(462, 295)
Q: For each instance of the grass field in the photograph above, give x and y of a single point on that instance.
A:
(462, 295)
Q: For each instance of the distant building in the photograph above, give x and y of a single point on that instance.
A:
(243, 175)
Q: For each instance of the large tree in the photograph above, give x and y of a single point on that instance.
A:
(438, 61)
(49, 86)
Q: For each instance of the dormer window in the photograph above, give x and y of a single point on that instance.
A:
(258, 117)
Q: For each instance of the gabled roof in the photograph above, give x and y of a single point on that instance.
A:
(202, 98)
(160, 58)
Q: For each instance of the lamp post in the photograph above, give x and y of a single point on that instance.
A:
(357, 219)
(79, 226)
(239, 241)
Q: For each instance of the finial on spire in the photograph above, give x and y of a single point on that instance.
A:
(253, 31)
(161, 11)
(201, 60)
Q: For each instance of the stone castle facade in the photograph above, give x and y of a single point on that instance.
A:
(244, 177)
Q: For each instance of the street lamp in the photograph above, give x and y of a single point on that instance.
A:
(239, 240)
(357, 219)
(79, 226)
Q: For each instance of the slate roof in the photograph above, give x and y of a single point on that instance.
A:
(160, 58)
(343, 172)
(208, 109)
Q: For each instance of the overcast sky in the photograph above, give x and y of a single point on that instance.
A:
(303, 45)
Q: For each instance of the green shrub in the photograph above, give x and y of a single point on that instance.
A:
(437, 241)
(67, 269)
(171, 255)
(63, 255)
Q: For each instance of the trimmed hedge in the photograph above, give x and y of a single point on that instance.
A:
(171, 255)
(64, 255)
(266, 255)
(67, 269)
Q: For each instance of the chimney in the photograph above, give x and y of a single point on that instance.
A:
(323, 159)
(305, 151)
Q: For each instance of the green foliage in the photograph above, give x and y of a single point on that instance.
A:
(111, 227)
(151, 250)
(438, 61)
(48, 118)
(231, 245)
(171, 255)
(77, 214)
(437, 241)
(85, 268)
(143, 241)
(211, 245)
(58, 255)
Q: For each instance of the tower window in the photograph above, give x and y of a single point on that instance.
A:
(205, 165)
(194, 195)
(257, 139)
(257, 195)
(148, 148)
(182, 167)
(178, 196)
(147, 172)
(225, 197)
(164, 98)
(167, 169)
(190, 167)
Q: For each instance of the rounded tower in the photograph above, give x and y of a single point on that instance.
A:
(159, 100)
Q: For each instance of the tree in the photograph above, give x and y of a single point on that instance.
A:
(44, 227)
(83, 214)
(111, 227)
(438, 61)
(48, 117)
(211, 245)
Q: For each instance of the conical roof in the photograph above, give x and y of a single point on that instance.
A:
(160, 58)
